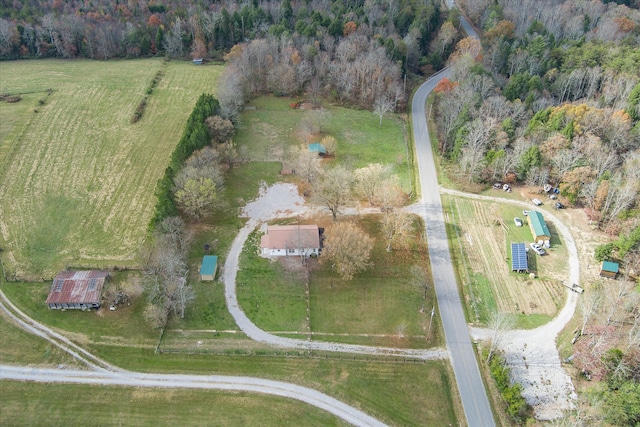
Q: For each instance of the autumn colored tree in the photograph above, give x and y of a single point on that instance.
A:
(349, 28)
(347, 248)
(445, 85)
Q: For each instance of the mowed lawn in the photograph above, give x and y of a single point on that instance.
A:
(381, 306)
(77, 179)
(271, 128)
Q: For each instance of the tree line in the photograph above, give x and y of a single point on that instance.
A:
(103, 29)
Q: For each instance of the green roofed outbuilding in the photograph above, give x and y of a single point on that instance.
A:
(316, 147)
(610, 269)
(208, 268)
(538, 227)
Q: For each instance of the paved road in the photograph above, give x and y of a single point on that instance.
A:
(210, 382)
(472, 392)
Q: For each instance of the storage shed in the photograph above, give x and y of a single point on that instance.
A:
(316, 147)
(79, 290)
(538, 227)
(519, 262)
(208, 268)
(610, 269)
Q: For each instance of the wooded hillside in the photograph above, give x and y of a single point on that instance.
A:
(553, 98)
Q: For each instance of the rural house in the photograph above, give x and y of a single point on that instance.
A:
(519, 262)
(610, 269)
(285, 240)
(208, 268)
(77, 289)
(538, 227)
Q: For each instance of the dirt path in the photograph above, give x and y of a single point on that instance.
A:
(279, 201)
(532, 355)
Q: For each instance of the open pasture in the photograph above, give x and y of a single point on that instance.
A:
(77, 178)
(484, 232)
(271, 128)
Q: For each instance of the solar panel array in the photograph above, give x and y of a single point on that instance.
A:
(519, 257)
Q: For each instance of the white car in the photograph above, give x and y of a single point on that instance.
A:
(536, 202)
(518, 221)
(537, 248)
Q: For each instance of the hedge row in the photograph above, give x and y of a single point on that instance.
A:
(137, 115)
(517, 407)
(195, 136)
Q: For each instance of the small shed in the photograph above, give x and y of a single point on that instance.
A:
(538, 227)
(519, 262)
(79, 290)
(198, 61)
(208, 268)
(316, 147)
(610, 269)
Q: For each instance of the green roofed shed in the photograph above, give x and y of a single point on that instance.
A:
(610, 269)
(208, 267)
(316, 147)
(538, 227)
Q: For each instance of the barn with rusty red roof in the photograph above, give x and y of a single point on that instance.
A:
(77, 290)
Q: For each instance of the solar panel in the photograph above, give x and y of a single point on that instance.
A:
(59, 283)
(519, 257)
(93, 283)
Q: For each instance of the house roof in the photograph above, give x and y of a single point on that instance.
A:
(539, 225)
(209, 264)
(519, 257)
(291, 237)
(316, 147)
(610, 266)
(77, 287)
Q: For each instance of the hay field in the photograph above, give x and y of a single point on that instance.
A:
(77, 179)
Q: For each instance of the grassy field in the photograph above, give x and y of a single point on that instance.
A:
(53, 404)
(412, 393)
(481, 235)
(381, 306)
(272, 128)
(77, 178)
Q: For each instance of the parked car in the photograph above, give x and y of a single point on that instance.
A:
(537, 248)
(536, 202)
(525, 213)
(558, 205)
(518, 221)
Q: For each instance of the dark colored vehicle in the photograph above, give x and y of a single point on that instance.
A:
(558, 205)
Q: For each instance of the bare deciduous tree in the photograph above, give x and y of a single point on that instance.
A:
(382, 106)
(499, 322)
(348, 248)
(306, 164)
(166, 277)
(333, 190)
(396, 227)
(368, 180)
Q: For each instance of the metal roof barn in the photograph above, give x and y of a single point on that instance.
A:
(77, 289)
(539, 227)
